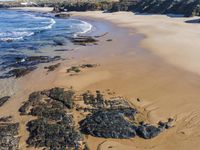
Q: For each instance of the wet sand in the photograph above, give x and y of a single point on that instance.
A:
(131, 67)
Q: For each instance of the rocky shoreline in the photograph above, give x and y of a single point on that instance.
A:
(185, 8)
(56, 128)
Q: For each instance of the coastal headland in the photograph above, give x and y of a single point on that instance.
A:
(144, 63)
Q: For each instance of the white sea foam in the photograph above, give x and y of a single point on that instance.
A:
(20, 33)
(12, 36)
(85, 27)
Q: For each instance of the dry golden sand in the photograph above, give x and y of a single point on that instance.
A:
(164, 74)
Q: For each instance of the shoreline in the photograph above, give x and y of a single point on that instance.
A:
(132, 71)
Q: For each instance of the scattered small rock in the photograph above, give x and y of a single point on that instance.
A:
(52, 67)
(83, 40)
(109, 40)
(18, 72)
(62, 50)
(6, 119)
(88, 65)
(73, 69)
(22, 65)
(3, 100)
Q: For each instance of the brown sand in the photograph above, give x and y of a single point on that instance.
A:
(166, 80)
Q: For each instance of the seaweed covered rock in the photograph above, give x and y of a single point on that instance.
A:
(83, 40)
(34, 99)
(18, 72)
(55, 136)
(148, 131)
(108, 124)
(19, 65)
(63, 96)
(54, 127)
(73, 69)
(3, 100)
(8, 136)
(52, 67)
(115, 118)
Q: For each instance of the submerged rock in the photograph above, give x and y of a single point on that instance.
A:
(18, 72)
(108, 124)
(22, 65)
(3, 100)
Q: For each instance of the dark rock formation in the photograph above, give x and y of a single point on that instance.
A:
(8, 136)
(73, 69)
(63, 50)
(22, 65)
(77, 69)
(18, 72)
(83, 40)
(55, 136)
(88, 65)
(6, 119)
(148, 131)
(59, 41)
(108, 124)
(66, 97)
(54, 129)
(3, 100)
(52, 67)
(63, 15)
(185, 7)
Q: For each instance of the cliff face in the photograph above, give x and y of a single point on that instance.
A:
(185, 7)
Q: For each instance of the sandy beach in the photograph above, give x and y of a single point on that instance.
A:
(151, 57)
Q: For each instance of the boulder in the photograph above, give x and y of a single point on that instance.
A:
(148, 131)
(108, 124)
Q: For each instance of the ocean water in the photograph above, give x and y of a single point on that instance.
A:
(24, 34)
(27, 30)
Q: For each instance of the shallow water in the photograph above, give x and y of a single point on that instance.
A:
(26, 30)
(22, 32)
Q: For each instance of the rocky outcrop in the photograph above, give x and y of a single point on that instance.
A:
(84, 40)
(109, 123)
(187, 8)
(22, 65)
(55, 127)
(115, 118)
(9, 139)
(52, 67)
(184, 7)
